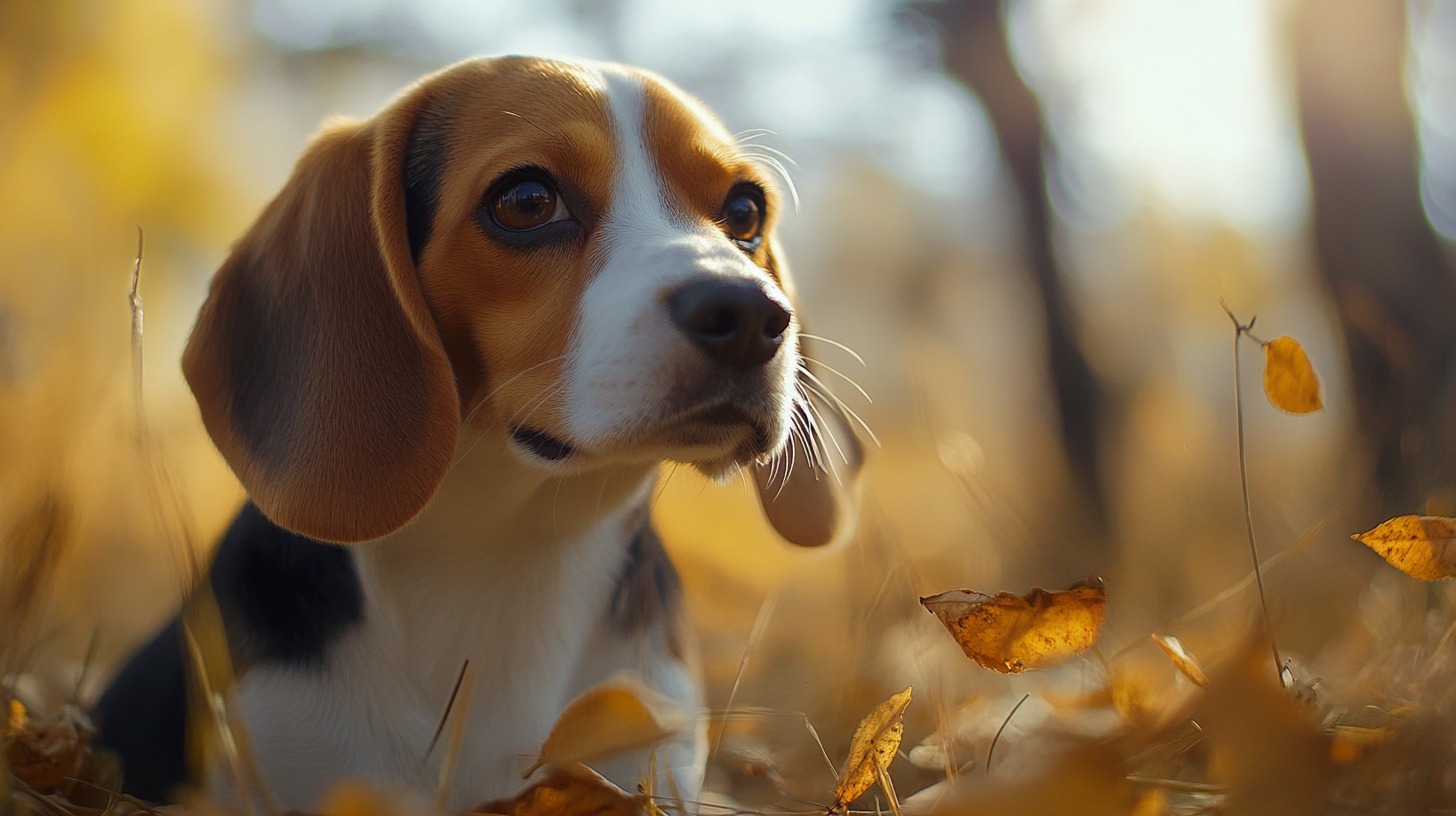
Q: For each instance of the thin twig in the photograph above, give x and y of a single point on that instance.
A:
(991, 752)
(1240, 329)
(135, 298)
(760, 625)
(445, 715)
(450, 764)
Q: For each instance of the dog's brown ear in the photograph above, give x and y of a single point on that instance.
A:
(315, 361)
(810, 490)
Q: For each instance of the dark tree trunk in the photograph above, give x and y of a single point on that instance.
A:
(1377, 254)
(975, 52)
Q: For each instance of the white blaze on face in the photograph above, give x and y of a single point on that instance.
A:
(631, 368)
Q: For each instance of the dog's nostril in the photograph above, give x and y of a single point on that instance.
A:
(731, 320)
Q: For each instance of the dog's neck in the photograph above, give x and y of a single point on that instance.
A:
(504, 552)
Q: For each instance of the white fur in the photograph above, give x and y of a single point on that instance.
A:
(509, 568)
(626, 346)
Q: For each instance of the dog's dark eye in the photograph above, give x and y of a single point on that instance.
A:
(526, 205)
(743, 216)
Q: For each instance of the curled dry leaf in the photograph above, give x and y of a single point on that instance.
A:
(872, 748)
(1182, 658)
(1011, 633)
(1289, 378)
(568, 790)
(618, 715)
(44, 752)
(1419, 546)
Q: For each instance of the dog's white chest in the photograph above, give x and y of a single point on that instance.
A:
(536, 632)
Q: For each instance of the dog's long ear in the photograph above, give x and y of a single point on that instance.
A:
(810, 490)
(318, 369)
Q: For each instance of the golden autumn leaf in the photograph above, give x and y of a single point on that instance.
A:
(872, 748)
(618, 715)
(1419, 546)
(1011, 633)
(1289, 378)
(1182, 658)
(568, 790)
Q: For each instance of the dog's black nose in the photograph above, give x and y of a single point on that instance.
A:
(731, 320)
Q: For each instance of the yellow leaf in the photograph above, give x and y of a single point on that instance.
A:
(1182, 658)
(1289, 379)
(1419, 546)
(618, 715)
(1011, 633)
(873, 748)
(17, 719)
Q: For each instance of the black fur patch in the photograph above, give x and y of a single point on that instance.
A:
(424, 171)
(142, 718)
(284, 599)
(648, 590)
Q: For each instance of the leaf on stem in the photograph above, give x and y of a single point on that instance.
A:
(1289, 378)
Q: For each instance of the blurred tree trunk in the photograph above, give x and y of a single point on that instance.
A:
(1377, 253)
(976, 53)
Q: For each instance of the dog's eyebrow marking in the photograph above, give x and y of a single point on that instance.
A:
(424, 172)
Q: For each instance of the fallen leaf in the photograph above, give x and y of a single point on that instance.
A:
(45, 752)
(872, 748)
(568, 790)
(1289, 379)
(1182, 658)
(1011, 633)
(618, 715)
(1419, 546)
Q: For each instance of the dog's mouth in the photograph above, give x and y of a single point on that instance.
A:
(542, 444)
(716, 425)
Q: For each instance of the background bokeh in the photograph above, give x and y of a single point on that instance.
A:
(1021, 216)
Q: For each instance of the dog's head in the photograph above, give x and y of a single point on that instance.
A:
(578, 259)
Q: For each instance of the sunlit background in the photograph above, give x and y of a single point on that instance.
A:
(1078, 181)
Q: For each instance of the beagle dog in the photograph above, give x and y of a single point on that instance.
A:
(446, 363)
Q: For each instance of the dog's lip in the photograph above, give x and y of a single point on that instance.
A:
(542, 444)
(717, 413)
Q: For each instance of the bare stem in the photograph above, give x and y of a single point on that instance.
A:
(135, 298)
(1241, 329)
(991, 752)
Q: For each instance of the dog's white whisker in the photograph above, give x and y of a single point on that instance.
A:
(818, 387)
(773, 163)
(822, 432)
(832, 370)
(835, 343)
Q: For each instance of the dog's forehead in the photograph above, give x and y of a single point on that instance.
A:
(525, 109)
